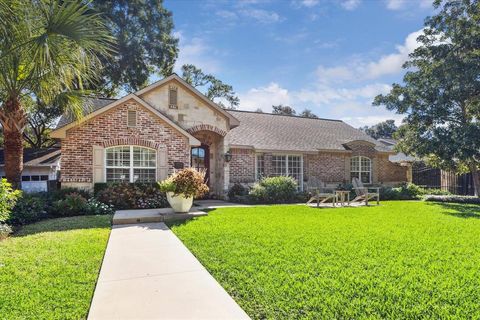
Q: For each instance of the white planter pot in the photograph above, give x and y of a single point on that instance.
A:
(179, 203)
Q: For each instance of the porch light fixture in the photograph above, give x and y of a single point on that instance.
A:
(228, 156)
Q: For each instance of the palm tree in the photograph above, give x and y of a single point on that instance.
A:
(47, 48)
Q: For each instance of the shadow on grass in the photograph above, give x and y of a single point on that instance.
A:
(465, 211)
(184, 222)
(65, 224)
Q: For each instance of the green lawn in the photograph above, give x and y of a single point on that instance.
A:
(49, 269)
(400, 260)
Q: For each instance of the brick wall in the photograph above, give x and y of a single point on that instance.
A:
(77, 150)
(242, 166)
(390, 171)
(325, 167)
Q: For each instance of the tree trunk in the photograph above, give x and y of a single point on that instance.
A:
(476, 179)
(13, 119)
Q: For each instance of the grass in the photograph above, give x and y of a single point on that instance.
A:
(400, 260)
(48, 269)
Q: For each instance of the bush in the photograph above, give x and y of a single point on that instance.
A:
(237, 193)
(274, 190)
(188, 182)
(29, 208)
(453, 198)
(73, 204)
(95, 207)
(61, 194)
(132, 196)
(408, 191)
(5, 230)
(8, 198)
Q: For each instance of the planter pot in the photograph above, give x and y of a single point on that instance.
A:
(179, 203)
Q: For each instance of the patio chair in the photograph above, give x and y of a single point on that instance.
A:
(320, 193)
(364, 193)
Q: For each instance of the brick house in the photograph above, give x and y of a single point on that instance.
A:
(168, 125)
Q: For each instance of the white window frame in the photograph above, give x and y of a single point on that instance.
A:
(131, 167)
(256, 164)
(360, 168)
(287, 155)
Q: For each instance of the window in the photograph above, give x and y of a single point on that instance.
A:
(130, 164)
(260, 166)
(361, 168)
(172, 97)
(132, 118)
(288, 165)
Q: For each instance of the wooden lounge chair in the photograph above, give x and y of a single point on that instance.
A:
(320, 193)
(363, 193)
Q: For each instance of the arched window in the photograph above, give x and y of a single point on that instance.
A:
(361, 168)
(130, 164)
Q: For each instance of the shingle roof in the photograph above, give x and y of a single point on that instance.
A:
(398, 157)
(30, 154)
(291, 133)
(90, 105)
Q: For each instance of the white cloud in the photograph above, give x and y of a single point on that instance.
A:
(361, 121)
(195, 51)
(392, 63)
(350, 4)
(264, 97)
(260, 15)
(359, 70)
(309, 3)
(395, 4)
(226, 14)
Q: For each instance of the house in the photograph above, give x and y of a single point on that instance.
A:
(41, 168)
(168, 125)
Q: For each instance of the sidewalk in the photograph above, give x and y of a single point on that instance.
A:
(148, 273)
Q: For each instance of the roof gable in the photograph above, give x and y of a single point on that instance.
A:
(61, 132)
(174, 77)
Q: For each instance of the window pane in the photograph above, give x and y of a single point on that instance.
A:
(260, 166)
(355, 175)
(365, 177)
(279, 165)
(26, 178)
(118, 157)
(44, 177)
(143, 158)
(144, 175)
(117, 175)
(355, 164)
(365, 164)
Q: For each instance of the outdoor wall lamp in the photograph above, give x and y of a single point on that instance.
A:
(228, 156)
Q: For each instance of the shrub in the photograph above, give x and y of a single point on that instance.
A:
(28, 209)
(274, 190)
(8, 198)
(5, 230)
(61, 194)
(453, 198)
(132, 196)
(188, 181)
(95, 207)
(73, 204)
(237, 193)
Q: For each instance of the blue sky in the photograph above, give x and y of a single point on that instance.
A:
(330, 56)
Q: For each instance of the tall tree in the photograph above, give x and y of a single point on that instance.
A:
(284, 110)
(49, 47)
(216, 90)
(441, 91)
(145, 44)
(384, 129)
(307, 113)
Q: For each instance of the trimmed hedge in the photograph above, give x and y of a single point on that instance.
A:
(453, 199)
(131, 195)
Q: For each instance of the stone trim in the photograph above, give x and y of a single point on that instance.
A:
(206, 127)
(131, 141)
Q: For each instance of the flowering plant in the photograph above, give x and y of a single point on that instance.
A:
(188, 182)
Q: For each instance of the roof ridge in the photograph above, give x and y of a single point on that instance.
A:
(284, 115)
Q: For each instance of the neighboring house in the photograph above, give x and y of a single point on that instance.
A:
(168, 125)
(41, 168)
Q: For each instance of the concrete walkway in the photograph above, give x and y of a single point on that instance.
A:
(148, 273)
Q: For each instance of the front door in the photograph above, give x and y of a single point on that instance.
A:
(201, 160)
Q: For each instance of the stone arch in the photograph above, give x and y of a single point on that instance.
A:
(207, 127)
(131, 141)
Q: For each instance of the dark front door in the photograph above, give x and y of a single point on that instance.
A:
(201, 160)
